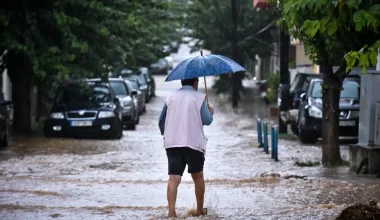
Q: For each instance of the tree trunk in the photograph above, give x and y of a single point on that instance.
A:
(41, 103)
(284, 73)
(20, 74)
(235, 55)
(330, 117)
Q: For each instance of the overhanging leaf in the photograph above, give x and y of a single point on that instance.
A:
(333, 26)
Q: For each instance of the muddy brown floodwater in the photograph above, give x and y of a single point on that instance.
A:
(126, 179)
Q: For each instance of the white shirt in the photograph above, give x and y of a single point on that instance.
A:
(183, 124)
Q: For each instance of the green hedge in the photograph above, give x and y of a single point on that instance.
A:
(273, 81)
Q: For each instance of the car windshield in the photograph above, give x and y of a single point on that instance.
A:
(83, 94)
(350, 89)
(144, 70)
(301, 82)
(119, 88)
(134, 85)
(142, 79)
(132, 80)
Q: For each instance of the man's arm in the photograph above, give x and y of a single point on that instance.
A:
(206, 115)
(161, 121)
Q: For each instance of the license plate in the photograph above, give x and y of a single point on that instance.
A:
(81, 123)
(347, 123)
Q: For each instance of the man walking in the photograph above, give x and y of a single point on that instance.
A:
(181, 123)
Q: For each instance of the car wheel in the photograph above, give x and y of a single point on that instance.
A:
(304, 136)
(118, 133)
(132, 126)
(138, 118)
(4, 140)
(295, 130)
(48, 134)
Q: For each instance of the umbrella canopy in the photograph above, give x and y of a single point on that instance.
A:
(207, 65)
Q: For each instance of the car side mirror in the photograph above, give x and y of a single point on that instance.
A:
(134, 93)
(303, 97)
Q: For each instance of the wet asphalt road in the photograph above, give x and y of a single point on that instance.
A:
(126, 179)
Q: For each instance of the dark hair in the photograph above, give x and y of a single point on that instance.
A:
(188, 82)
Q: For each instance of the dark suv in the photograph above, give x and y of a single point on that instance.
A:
(288, 99)
(310, 113)
(80, 109)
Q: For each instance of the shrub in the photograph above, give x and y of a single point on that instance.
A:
(273, 81)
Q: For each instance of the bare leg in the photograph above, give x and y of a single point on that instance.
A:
(173, 184)
(199, 191)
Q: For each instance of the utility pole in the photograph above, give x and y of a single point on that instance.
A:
(235, 55)
(284, 72)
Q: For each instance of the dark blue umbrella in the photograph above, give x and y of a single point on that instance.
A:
(204, 65)
(207, 65)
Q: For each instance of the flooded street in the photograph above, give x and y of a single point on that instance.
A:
(126, 179)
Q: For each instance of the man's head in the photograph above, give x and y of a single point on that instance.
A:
(191, 82)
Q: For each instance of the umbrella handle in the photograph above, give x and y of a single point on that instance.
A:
(205, 82)
(206, 89)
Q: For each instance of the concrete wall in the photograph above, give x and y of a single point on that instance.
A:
(357, 155)
(6, 88)
(301, 58)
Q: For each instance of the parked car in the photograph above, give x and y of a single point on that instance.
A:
(139, 96)
(150, 80)
(135, 82)
(169, 60)
(161, 67)
(130, 114)
(4, 121)
(288, 99)
(143, 86)
(310, 113)
(80, 108)
(174, 46)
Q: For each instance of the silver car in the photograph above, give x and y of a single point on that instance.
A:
(126, 97)
(139, 97)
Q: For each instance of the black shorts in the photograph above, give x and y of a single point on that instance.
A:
(178, 157)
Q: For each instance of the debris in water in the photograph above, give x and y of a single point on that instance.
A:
(307, 163)
(270, 175)
(295, 177)
(360, 212)
(56, 215)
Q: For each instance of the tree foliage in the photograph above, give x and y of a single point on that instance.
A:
(85, 37)
(329, 29)
(332, 29)
(52, 40)
(210, 24)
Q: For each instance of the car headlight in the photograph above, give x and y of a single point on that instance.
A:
(315, 112)
(127, 103)
(143, 87)
(105, 114)
(57, 115)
